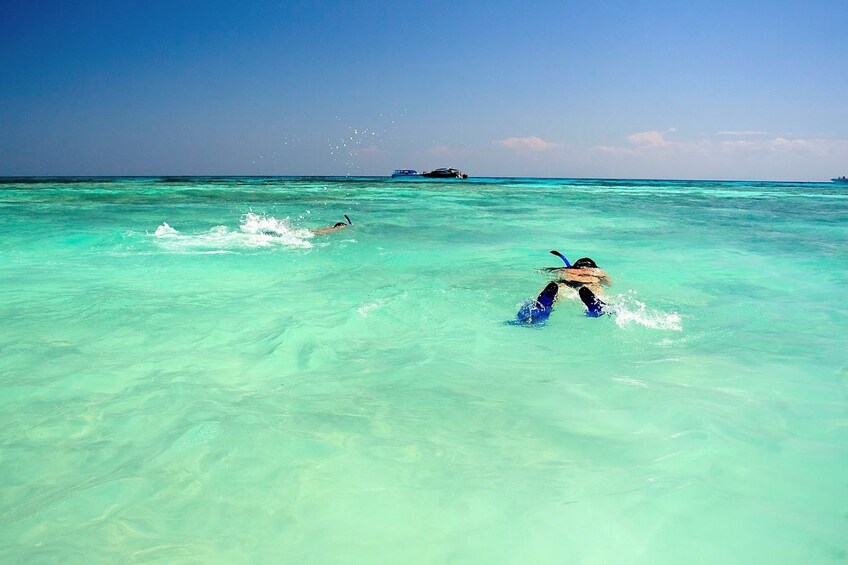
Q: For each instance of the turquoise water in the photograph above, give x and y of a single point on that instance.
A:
(188, 375)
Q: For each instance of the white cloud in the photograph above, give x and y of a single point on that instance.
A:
(640, 143)
(529, 143)
(648, 139)
(654, 143)
(742, 133)
(653, 154)
(785, 145)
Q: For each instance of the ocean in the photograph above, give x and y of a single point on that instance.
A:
(189, 375)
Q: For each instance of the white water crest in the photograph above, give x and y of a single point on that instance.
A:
(627, 310)
(164, 230)
(254, 231)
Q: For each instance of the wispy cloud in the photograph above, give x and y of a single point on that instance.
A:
(529, 143)
(651, 138)
(787, 145)
(640, 142)
(655, 144)
(742, 133)
(672, 153)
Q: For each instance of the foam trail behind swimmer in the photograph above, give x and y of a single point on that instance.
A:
(627, 310)
(255, 230)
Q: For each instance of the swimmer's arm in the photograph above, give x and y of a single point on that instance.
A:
(586, 275)
(327, 230)
(581, 277)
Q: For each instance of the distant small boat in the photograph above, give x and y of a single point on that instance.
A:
(445, 173)
(405, 173)
(840, 180)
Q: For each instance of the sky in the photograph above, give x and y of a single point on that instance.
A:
(631, 89)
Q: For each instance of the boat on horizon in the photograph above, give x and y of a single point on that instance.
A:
(400, 173)
(840, 180)
(445, 173)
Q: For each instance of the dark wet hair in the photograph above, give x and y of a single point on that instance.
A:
(339, 224)
(585, 262)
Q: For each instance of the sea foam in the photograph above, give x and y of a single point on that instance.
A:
(627, 310)
(254, 231)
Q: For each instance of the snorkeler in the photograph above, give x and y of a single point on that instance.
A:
(594, 306)
(336, 227)
(539, 309)
(584, 272)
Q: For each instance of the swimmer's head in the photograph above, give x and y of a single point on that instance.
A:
(585, 262)
(339, 225)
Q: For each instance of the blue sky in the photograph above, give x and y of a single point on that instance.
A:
(722, 90)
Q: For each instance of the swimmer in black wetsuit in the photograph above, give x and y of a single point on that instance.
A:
(584, 272)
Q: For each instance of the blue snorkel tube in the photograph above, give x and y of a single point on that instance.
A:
(561, 256)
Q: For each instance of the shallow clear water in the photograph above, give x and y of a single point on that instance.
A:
(188, 375)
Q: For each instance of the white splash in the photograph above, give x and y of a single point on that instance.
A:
(254, 231)
(627, 310)
(164, 231)
(282, 231)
